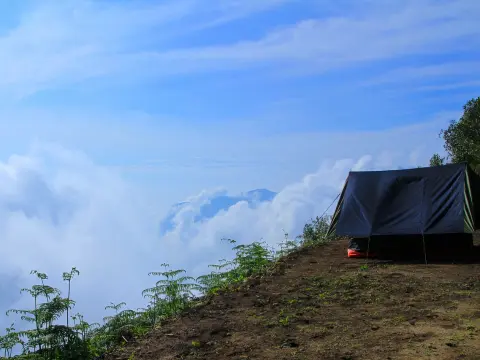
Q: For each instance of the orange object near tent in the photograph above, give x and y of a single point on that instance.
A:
(359, 254)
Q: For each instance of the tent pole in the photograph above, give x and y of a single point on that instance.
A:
(423, 225)
(368, 249)
(424, 249)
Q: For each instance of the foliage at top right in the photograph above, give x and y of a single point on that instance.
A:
(462, 138)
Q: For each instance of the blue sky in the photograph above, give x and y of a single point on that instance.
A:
(112, 111)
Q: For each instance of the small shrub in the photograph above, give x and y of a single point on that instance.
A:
(364, 267)
(284, 321)
(315, 232)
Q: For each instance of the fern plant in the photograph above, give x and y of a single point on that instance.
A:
(172, 293)
(48, 339)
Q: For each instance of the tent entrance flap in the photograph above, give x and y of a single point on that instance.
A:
(400, 209)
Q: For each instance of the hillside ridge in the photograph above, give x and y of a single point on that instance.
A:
(317, 304)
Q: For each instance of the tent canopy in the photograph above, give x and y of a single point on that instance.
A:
(431, 200)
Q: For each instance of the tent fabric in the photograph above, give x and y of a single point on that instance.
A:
(432, 200)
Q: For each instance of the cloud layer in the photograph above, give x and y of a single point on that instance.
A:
(58, 209)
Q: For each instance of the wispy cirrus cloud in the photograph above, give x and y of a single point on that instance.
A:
(451, 86)
(425, 73)
(228, 11)
(408, 28)
(85, 40)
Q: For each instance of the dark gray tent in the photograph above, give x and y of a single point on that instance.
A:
(386, 206)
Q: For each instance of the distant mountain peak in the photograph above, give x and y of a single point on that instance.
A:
(217, 203)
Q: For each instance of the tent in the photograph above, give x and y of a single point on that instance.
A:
(406, 208)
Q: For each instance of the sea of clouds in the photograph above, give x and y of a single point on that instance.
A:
(59, 209)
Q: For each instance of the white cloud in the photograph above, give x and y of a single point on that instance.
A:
(58, 210)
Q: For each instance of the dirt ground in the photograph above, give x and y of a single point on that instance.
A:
(320, 305)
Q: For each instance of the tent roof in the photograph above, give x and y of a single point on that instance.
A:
(425, 200)
(439, 169)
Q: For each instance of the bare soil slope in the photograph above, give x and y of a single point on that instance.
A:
(320, 305)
